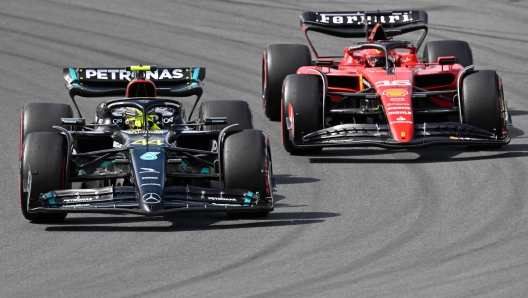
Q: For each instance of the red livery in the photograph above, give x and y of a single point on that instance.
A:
(380, 93)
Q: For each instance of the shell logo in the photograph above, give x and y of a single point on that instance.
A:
(403, 134)
(395, 92)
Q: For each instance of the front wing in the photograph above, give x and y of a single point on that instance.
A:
(123, 199)
(426, 134)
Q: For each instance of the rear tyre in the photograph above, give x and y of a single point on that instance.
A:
(280, 60)
(236, 111)
(439, 48)
(302, 102)
(483, 103)
(41, 117)
(247, 165)
(45, 153)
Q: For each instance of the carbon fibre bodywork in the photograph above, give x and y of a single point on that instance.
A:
(381, 94)
(108, 168)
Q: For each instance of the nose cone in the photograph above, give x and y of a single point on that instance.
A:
(398, 108)
(402, 132)
(149, 168)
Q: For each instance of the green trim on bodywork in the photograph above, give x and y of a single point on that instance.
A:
(107, 163)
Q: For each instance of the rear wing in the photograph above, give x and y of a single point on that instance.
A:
(358, 23)
(101, 82)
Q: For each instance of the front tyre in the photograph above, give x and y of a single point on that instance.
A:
(45, 154)
(483, 103)
(301, 106)
(247, 165)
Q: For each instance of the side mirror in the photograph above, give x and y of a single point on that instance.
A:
(447, 60)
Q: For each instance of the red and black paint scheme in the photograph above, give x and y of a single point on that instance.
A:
(380, 93)
(164, 164)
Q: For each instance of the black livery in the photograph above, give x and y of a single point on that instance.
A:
(142, 156)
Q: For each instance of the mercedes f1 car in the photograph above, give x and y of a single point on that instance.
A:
(380, 93)
(141, 155)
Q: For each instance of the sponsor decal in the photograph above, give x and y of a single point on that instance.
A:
(399, 113)
(338, 141)
(171, 104)
(394, 83)
(221, 199)
(76, 205)
(397, 104)
(400, 118)
(154, 132)
(115, 121)
(168, 120)
(232, 205)
(359, 18)
(148, 170)
(468, 139)
(149, 178)
(78, 200)
(151, 198)
(453, 138)
(403, 60)
(395, 92)
(366, 83)
(121, 74)
(144, 101)
(399, 108)
(400, 122)
(150, 184)
(359, 61)
(149, 156)
(403, 134)
(214, 146)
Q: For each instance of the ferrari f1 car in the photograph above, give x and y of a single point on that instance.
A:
(379, 93)
(142, 156)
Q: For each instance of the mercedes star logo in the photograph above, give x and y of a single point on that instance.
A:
(151, 198)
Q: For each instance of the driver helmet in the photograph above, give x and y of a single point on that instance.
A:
(134, 119)
(376, 58)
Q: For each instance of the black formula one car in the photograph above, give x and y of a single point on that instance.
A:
(142, 156)
(379, 92)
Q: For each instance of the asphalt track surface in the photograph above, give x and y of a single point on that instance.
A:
(434, 222)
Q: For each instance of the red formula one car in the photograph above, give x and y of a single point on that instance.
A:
(380, 93)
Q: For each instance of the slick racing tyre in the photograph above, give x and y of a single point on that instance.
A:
(41, 117)
(236, 111)
(483, 103)
(247, 165)
(45, 154)
(301, 103)
(280, 60)
(439, 48)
